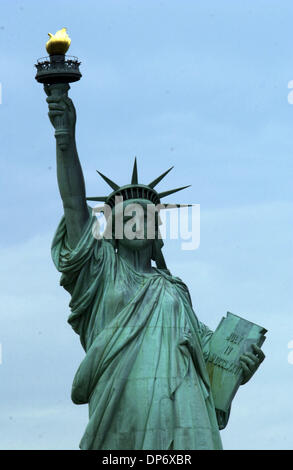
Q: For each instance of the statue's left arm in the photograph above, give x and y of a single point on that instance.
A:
(250, 362)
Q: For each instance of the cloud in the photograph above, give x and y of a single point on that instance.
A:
(243, 265)
(41, 352)
(184, 86)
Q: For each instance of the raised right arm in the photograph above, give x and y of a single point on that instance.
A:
(69, 172)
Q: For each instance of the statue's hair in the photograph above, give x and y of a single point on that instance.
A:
(136, 191)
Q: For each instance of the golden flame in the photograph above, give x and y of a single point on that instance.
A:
(58, 43)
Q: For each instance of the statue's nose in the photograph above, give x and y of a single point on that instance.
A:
(139, 225)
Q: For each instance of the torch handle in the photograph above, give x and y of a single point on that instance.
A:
(57, 90)
(61, 122)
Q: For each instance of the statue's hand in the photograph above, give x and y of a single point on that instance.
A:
(250, 362)
(62, 106)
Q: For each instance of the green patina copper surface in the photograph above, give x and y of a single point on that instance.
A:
(233, 337)
(144, 373)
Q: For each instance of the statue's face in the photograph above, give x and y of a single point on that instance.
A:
(139, 221)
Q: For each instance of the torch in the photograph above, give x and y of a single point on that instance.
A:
(56, 72)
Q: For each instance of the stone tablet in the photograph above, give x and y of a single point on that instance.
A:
(232, 338)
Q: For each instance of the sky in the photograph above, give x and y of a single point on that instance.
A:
(198, 84)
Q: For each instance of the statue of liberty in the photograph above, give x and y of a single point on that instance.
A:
(144, 374)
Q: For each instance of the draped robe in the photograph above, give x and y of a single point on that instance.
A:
(143, 374)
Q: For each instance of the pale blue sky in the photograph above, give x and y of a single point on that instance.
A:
(201, 85)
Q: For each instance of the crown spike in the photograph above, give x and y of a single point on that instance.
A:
(171, 191)
(110, 182)
(134, 179)
(157, 180)
(98, 198)
(174, 206)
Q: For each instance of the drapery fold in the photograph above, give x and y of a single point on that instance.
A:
(144, 374)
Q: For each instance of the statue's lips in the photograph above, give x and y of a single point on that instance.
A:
(136, 240)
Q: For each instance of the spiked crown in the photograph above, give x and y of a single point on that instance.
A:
(134, 190)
